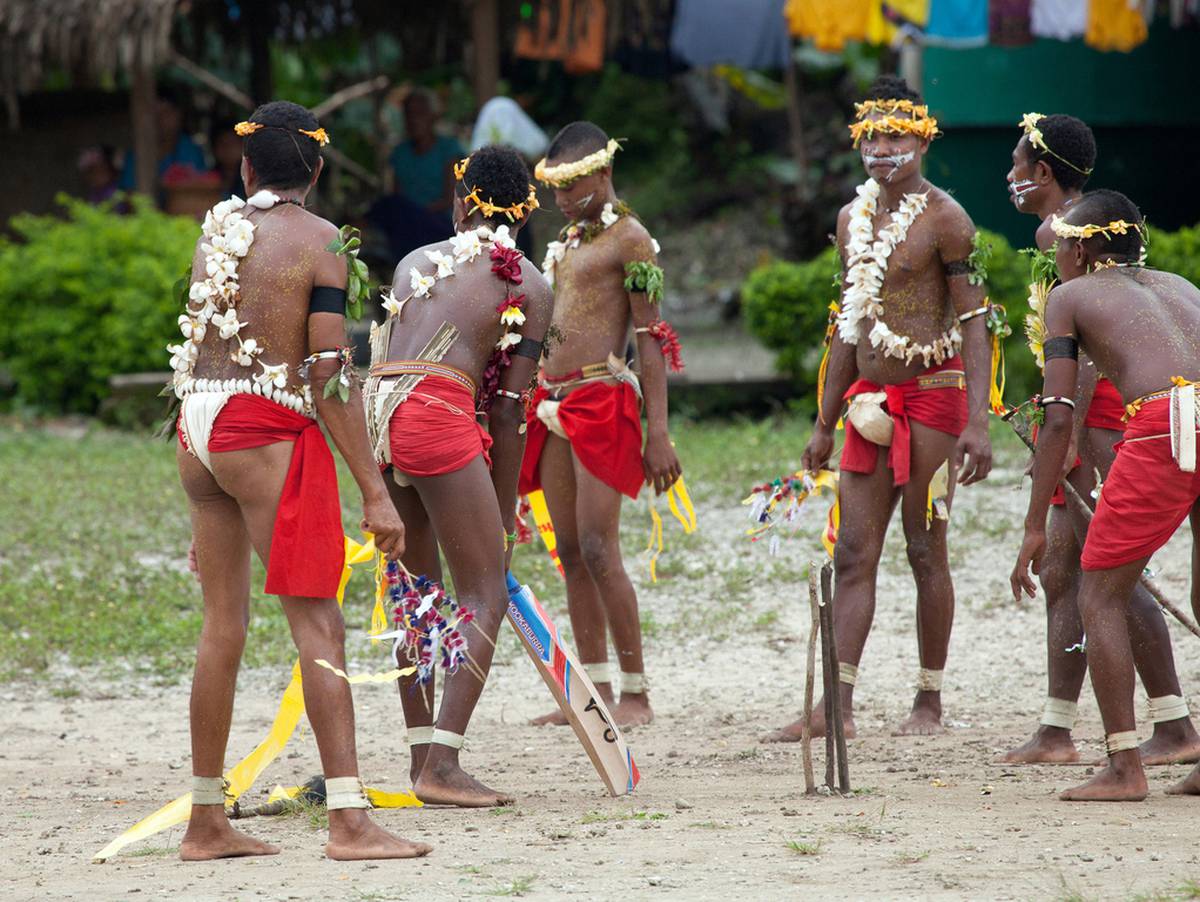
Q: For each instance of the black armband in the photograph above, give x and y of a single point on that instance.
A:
(327, 299)
(959, 268)
(1060, 346)
(528, 347)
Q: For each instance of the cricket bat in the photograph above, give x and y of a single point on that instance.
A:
(571, 688)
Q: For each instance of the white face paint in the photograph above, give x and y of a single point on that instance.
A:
(586, 201)
(1018, 190)
(896, 161)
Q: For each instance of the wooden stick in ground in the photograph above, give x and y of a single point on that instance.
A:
(839, 726)
(1020, 425)
(814, 604)
(829, 680)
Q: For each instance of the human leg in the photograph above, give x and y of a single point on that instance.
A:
(466, 518)
(223, 561)
(588, 626)
(598, 521)
(866, 502)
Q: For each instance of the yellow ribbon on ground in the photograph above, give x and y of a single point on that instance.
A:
(243, 774)
(379, 798)
(680, 503)
(386, 676)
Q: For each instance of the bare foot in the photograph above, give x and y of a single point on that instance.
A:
(633, 710)
(1123, 780)
(353, 836)
(1173, 742)
(211, 837)
(926, 716)
(793, 731)
(449, 784)
(417, 755)
(1188, 786)
(1049, 745)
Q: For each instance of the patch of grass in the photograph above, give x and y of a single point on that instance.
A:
(153, 852)
(314, 812)
(709, 825)
(1189, 889)
(804, 848)
(766, 619)
(604, 817)
(501, 810)
(518, 886)
(911, 857)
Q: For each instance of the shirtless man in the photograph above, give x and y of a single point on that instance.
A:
(584, 443)
(1139, 328)
(466, 336)
(266, 300)
(1051, 165)
(904, 316)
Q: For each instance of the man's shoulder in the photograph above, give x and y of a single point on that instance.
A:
(631, 235)
(946, 208)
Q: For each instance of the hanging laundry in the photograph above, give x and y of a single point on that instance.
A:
(829, 24)
(958, 23)
(890, 20)
(1008, 22)
(1062, 20)
(705, 34)
(1116, 24)
(570, 31)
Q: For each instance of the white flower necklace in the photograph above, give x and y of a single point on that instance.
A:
(866, 266)
(465, 246)
(579, 232)
(212, 303)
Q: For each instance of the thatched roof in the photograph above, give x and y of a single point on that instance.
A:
(96, 37)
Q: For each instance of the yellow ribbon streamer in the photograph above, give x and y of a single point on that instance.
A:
(243, 774)
(379, 798)
(385, 676)
(996, 389)
(545, 528)
(680, 503)
(834, 309)
(832, 523)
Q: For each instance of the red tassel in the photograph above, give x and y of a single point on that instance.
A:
(668, 343)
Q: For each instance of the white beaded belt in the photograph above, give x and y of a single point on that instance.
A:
(280, 396)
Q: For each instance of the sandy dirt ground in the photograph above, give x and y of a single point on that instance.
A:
(717, 814)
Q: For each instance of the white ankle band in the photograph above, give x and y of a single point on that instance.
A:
(419, 735)
(345, 792)
(848, 674)
(600, 672)
(445, 737)
(929, 680)
(208, 790)
(1121, 742)
(1060, 713)
(634, 683)
(1168, 707)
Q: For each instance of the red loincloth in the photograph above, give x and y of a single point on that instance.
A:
(604, 425)
(307, 545)
(1146, 496)
(943, 409)
(434, 431)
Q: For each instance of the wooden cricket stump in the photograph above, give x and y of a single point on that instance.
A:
(814, 604)
(835, 730)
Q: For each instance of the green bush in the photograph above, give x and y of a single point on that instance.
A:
(786, 308)
(1177, 252)
(86, 296)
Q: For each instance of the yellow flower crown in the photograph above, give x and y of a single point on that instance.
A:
(1064, 229)
(565, 173)
(245, 129)
(513, 212)
(1029, 123)
(899, 117)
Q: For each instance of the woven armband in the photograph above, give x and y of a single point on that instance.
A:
(1062, 346)
(327, 299)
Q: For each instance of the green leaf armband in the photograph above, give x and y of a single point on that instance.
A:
(645, 278)
(358, 287)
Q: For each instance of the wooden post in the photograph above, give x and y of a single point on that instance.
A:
(485, 40)
(838, 725)
(791, 79)
(830, 683)
(814, 604)
(143, 117)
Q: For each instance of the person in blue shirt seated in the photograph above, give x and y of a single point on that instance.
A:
(174, 146)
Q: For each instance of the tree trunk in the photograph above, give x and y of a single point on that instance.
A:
(259, 27)
(144, 121)
(485, 38)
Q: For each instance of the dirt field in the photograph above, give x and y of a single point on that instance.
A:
(716, 815)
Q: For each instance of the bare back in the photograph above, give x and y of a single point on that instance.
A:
(1140, 326)
(467, 300)
(286, 261)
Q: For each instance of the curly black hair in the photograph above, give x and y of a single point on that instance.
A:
(1100, 208)
(281, 156)
(500, 175)
(1072, 140)
(577, 140)
(892, 87)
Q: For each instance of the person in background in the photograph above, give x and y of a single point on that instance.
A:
(423, 162)
(175, 147)
(98, 167)
(503, 120)
(226, 149)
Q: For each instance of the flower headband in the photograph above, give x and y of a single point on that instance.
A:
(563, 174)
(1029, 123)
(245, 129)
(486, 207)
(1063, 229)
(899, 117)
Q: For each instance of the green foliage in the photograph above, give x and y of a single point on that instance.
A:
(786, 308)
(86, 296)
(646, 278)
(1177, 252)
(358, 280)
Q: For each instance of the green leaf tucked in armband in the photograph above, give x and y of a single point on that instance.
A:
(646, 278)
(1043, 267)
(358, 288)
(978, 259)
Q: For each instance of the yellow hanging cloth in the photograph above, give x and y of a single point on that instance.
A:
(1116, 24)
(829, 24)
(884, 18)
